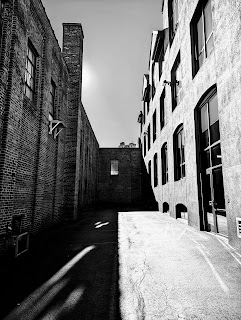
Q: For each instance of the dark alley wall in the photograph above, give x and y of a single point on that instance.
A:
(130, 186)
(81, 143)
(44, 177)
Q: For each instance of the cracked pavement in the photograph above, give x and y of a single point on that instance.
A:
(169, 270)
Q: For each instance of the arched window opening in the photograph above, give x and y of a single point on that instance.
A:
(164, 164)
(165, 207)
(181, 211)
(179, 154)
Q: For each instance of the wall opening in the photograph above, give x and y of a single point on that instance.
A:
(165, 207)
(181, 211)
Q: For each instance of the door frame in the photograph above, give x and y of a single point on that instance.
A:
(203, 220)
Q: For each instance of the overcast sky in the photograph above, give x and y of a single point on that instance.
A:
(117, 38)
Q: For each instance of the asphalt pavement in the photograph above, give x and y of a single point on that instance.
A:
(123, 265)
(169, 270)
(70, 272)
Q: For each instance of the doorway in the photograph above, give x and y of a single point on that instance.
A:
(211, 167)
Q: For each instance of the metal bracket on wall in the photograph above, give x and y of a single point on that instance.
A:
(55, 127)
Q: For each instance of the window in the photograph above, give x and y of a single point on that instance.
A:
(164, 164)
(160, 62)
(201, 34)
(1, 18)
(149, 138)
(149, 170)
(162, 110)
(52, 99)
(173, 18)
(147, 106)
(30, 73)
(153, 88)
(176, 82)
(144, 112)
(154, 126)
(179, 155)
(114, 171)
(144, 145)
(155, 170)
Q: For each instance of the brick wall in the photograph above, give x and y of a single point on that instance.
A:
(81, 144)
(40, 177)
(131, 187)
(30, 158)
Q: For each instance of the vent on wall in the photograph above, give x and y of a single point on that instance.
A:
(238, 221)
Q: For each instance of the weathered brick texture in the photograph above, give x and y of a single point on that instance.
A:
(131, 187)
(81, 144)
(40, 177)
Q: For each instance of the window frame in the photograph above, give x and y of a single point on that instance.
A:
(1, 19)
(164, 163)
(52, 106)
(155, 170)
(32, 76)
(162, 110)
(176, 87)
(154, 126)
(153, 85)
(114, 172)
(148, 137)
(144, 145)
(200, 14)
(179, 154)
(173, 16)
(149, 171)
(144, 112)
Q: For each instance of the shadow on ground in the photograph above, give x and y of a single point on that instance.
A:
(71, 272)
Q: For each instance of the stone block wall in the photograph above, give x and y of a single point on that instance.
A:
(221, 69)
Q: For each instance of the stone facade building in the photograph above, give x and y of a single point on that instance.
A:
(191, 123)
(49, 153)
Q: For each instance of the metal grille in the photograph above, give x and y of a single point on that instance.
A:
(238, 221)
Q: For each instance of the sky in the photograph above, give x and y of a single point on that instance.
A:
(117, 39)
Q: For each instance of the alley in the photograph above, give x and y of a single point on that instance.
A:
(169, 270)
(123, 265)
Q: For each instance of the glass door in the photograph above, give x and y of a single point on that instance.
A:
(211, 168)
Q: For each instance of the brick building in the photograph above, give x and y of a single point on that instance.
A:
(190, 131)
(123, 180)
(49, 153)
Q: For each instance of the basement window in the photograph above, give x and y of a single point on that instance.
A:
(114, 170)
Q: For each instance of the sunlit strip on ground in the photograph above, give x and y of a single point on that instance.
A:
(217, 276)
(101, 225)
(40, 298)
(68, 304)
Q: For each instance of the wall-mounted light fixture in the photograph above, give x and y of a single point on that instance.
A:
(146, 133)
(140, 117)
(169, 83)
